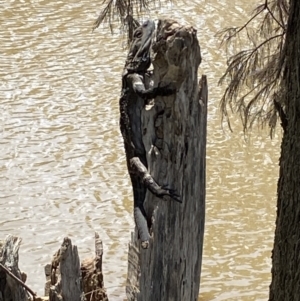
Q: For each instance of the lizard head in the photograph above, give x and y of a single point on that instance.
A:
(138, 59)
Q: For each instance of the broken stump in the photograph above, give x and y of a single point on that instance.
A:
(174, 130)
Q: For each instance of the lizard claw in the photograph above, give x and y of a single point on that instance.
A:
(175, 196)
(171, 193)
(166, 89)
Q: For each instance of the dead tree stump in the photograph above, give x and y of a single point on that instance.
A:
(175, 141)
(67, 280)
(92, 277)
(67, 286)
(10, 288)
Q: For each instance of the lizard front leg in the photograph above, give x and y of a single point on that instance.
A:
(138, 86)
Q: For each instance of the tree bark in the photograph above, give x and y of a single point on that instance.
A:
(174, 130)
(285, 284)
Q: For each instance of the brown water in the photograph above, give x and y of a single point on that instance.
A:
(62, 168)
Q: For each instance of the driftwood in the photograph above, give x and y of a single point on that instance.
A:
(66, 279)
(175, 140)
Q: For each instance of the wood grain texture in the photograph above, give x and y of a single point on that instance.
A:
(92, 276)
(70, 280)
(174, 135)
(67, 285)
(10, 289)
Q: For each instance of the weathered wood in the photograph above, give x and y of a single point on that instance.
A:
(10, 289)
(174, 131)
(47, 270)
(67, 280)
(68, 285)
(92, 276)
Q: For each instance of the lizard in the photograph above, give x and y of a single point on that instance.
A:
(134, 97)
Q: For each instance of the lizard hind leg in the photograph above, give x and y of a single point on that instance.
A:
(141, 171)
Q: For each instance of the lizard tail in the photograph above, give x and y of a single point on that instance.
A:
(142, 226)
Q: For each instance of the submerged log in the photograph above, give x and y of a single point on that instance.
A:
(175, 140)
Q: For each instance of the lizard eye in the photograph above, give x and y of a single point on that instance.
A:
(145, 24)
(137, 34)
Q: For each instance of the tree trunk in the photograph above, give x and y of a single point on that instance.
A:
(286, 253)
(175, 141)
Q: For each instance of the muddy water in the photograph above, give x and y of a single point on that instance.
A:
(62, 169)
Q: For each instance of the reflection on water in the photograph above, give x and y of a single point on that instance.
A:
(62, 168)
